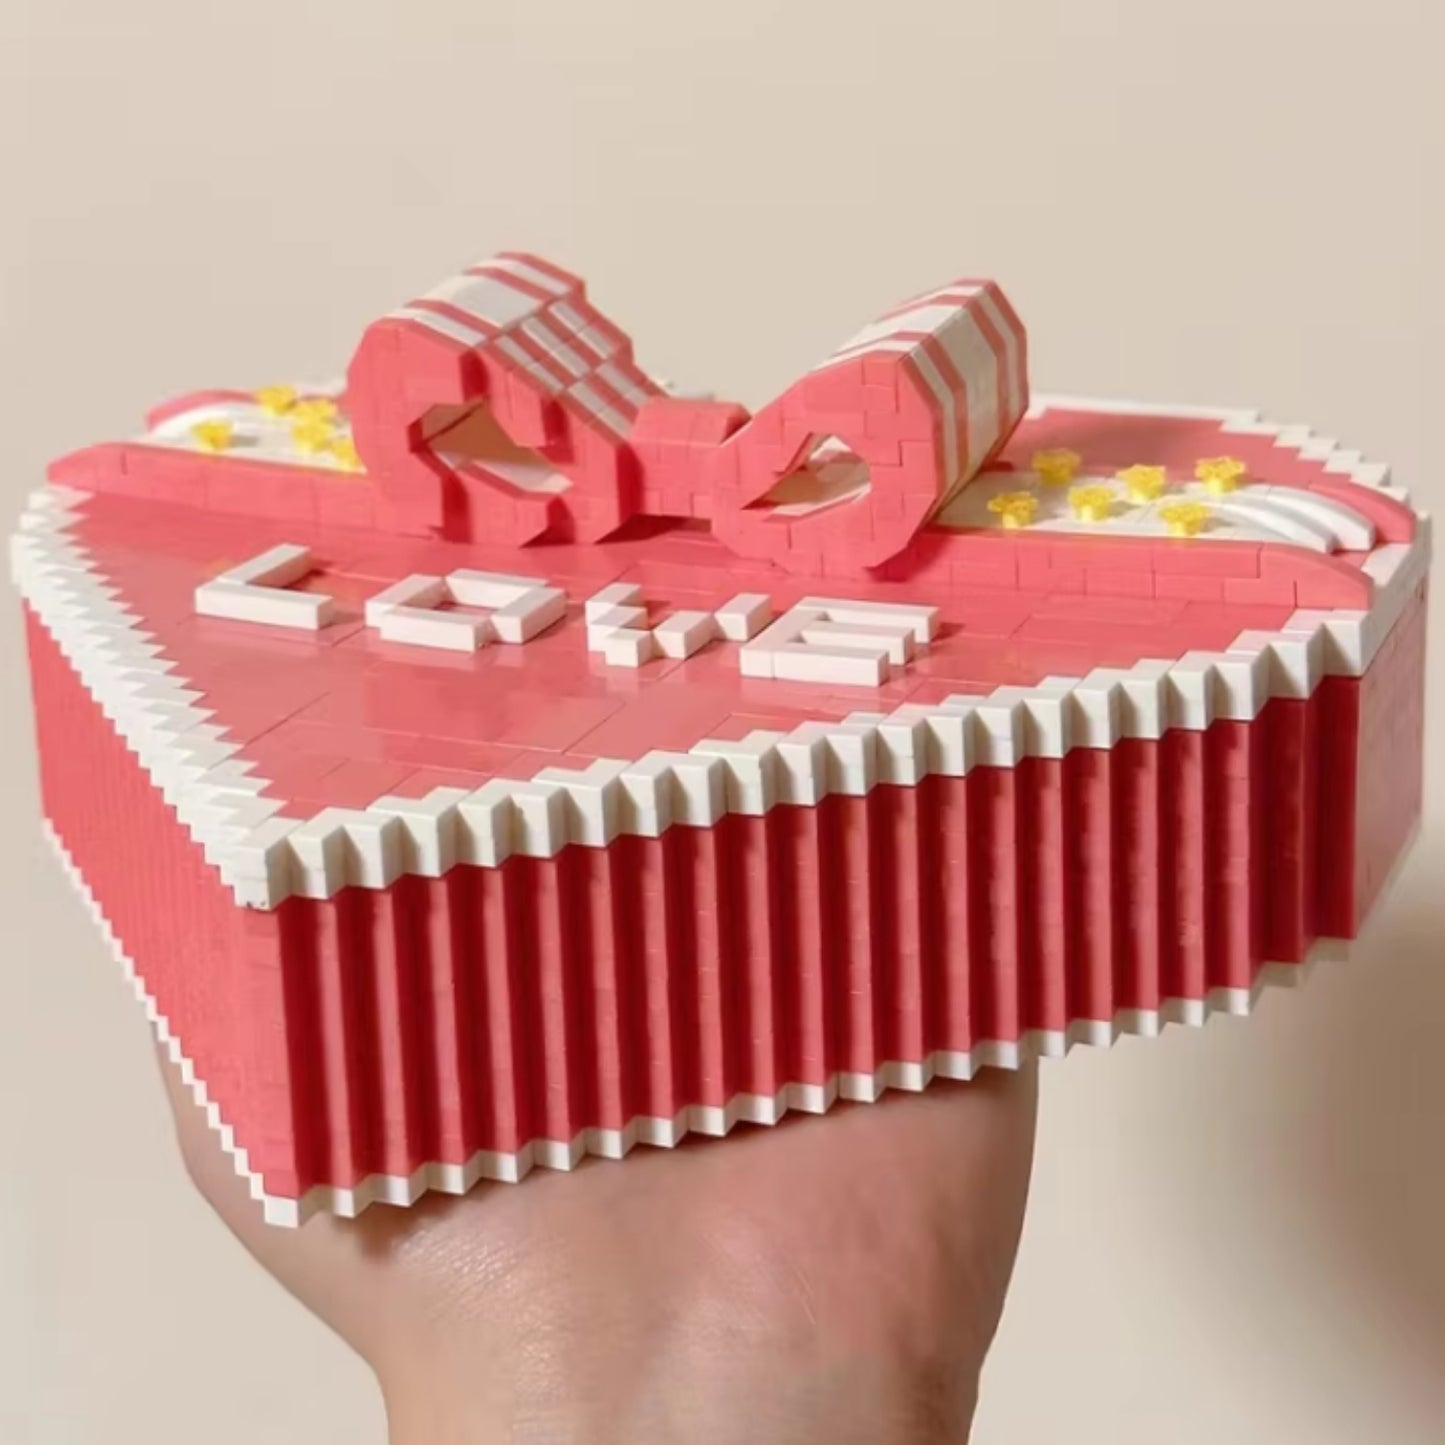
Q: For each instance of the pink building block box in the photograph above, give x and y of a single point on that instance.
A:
(494, 759)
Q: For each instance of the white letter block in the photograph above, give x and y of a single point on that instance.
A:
(256, 591)
(521, 607)
(827, 640)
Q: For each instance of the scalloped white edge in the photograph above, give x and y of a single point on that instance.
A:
(705, 1120)
(1240, 421)
(265, 858)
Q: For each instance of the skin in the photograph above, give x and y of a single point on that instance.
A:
(835, 1279)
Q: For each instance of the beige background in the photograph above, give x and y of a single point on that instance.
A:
(1236, 1234)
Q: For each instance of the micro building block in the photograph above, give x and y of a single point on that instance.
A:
(520, 608)
(256, 591)
(496, 759)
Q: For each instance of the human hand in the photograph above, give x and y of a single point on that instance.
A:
(830, 1280)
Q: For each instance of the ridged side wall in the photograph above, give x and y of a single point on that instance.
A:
(379, 1032)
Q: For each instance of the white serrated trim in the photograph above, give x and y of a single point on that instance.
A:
(265, 858)
(1237, 421)
(815, 1098)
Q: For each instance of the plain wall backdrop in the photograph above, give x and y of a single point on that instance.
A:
(1236, 1233)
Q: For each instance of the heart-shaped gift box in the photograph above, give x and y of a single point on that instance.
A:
(498, 759)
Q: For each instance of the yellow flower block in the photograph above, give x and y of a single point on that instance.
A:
(213, 436)
(343, 452)
(1014, 509)
(315, 408)
(1184, 519)
(1144, 484)
(1058, 467)
(276, 400)
(1092, 503)
(1221, 474)
(312, 435)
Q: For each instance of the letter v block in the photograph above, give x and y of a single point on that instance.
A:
(617, 627)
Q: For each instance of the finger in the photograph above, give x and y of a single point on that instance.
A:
(344, 1270)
